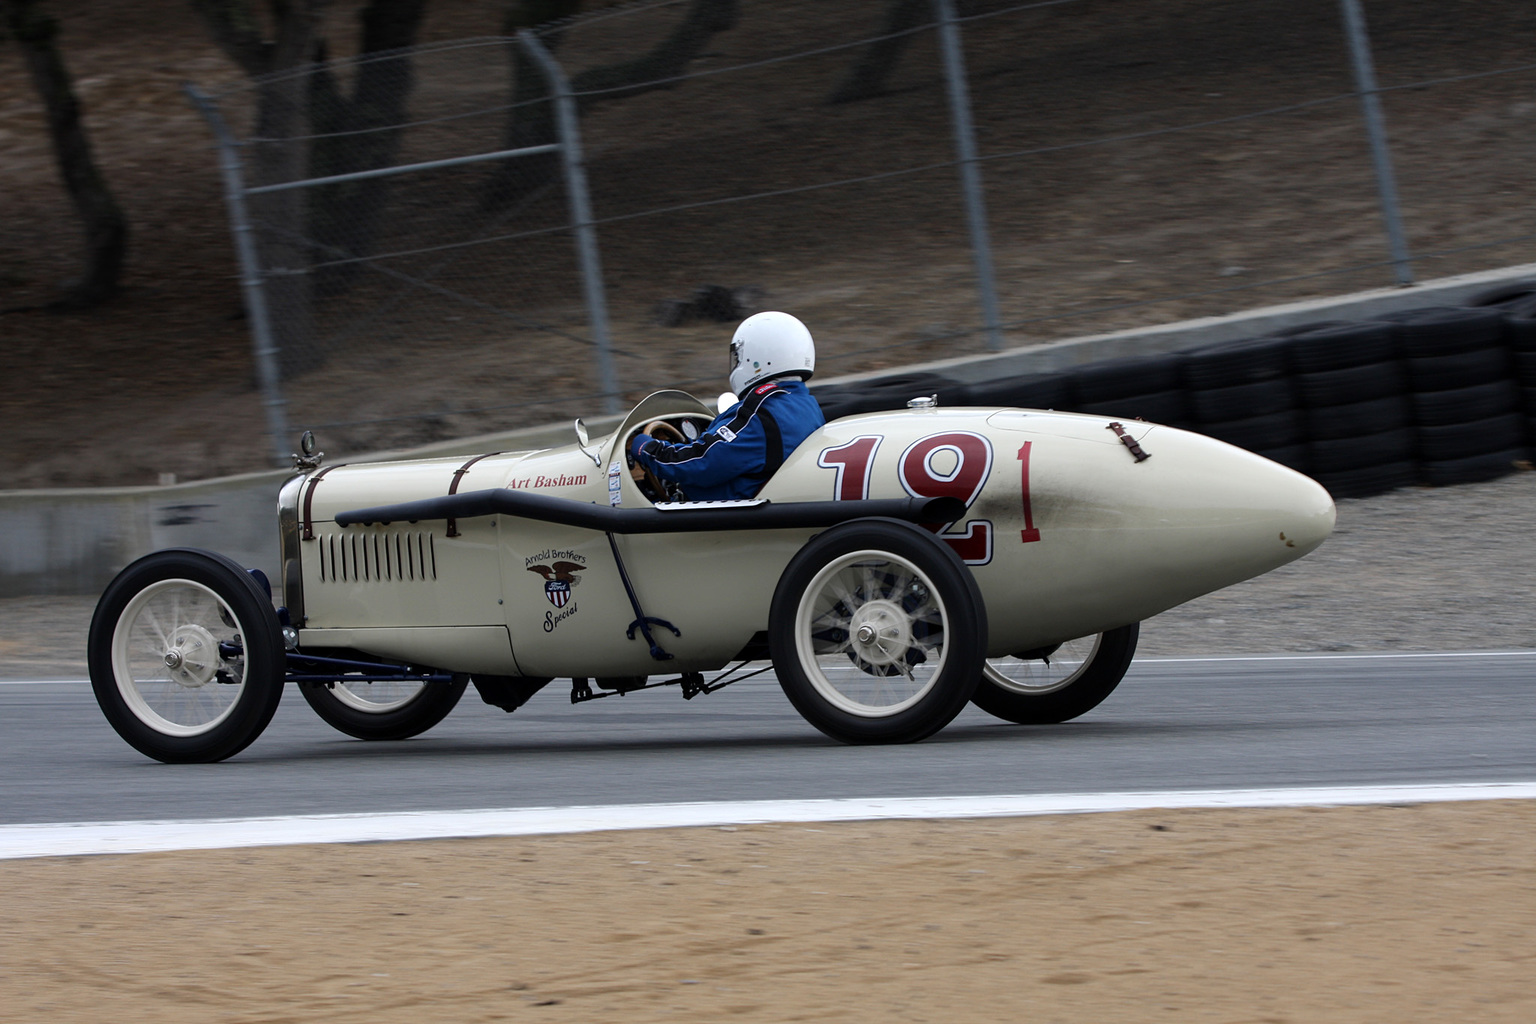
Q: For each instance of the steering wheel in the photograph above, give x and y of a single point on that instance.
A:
(661, 430)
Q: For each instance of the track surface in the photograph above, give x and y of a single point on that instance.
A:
(1173, 724)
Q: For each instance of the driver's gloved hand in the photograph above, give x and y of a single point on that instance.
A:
(636, 471)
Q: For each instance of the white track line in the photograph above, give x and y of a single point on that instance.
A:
(1155, 659)
(73, 839)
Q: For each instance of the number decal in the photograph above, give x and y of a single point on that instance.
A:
(853, 461)
(1029, 532)
(926, 473)
(923, 478)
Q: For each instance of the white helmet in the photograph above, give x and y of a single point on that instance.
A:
(770, 345)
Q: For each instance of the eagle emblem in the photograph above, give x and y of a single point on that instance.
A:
(558, 580)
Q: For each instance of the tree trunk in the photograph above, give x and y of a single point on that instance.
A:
(530, 116)
(533, 125)
(344, 219)
(276, 156)
(872, 69)
(106, 230)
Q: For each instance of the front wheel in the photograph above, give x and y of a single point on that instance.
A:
(1057, 683)
(186, 656)
(878, 632)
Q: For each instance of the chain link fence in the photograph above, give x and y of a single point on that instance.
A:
(1126, 163)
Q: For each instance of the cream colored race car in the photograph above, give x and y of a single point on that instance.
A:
(898, 566)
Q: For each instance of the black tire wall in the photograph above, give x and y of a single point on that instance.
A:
(1435, 396)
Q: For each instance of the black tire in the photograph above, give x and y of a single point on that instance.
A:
(1261, 433)
(1340, 346)
(227, 678)
(1114, 379)
(838, 401)
(1292, 456)
(1036, 391)
(1520, 328)
(1445, 330)
(1472, 470)
(1439, 408)
(1504, 294)
(1307, 328)
(1355, 384)
(1167, 407)
(1024, 690)
(1525, 369)
(350, 707)
(1230, 363)
(1458, 370)
(1331, 422)
(895, 391)
(1220, 405)
(1477, 437)
(1364, 481)
(922, 619)
(1362, 451)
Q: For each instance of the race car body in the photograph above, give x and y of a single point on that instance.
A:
(1046, 528)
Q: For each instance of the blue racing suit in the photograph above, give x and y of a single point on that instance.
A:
(742, 447)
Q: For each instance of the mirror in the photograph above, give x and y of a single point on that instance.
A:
(726, 400)
(585, 443)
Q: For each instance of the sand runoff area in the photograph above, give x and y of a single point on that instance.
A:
(1393, 913)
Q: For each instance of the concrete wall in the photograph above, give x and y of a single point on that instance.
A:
(74, 541)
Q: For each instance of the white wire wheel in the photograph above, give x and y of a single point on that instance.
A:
(1059, 682)
(1046, 671)
(878, 633)
(186, 656)
(391, 709)
(178, 658)
(870, 632)
(377, 698)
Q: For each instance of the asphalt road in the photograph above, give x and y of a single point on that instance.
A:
(1173, 724)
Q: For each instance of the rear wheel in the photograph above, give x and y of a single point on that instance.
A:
(878, 633)
(186, 656)
(1057, 683)
(390, 710)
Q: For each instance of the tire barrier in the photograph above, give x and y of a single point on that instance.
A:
(1358, 417)
(1434, 396)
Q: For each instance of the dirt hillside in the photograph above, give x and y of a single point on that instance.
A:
(161, 380)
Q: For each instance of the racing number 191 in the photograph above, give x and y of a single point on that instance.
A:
(955, 464)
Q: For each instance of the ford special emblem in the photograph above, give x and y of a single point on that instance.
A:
(559, 577)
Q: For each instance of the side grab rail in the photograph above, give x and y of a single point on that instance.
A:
(683, 518)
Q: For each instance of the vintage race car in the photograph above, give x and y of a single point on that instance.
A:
(897, 566)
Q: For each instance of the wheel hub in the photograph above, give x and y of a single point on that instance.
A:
(192, 659)
(881, 633)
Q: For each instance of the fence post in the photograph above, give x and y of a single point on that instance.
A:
(1381, 157)
(581, 211)
(970, 172)
(263, 350)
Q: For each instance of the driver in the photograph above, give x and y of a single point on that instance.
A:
(772, 356)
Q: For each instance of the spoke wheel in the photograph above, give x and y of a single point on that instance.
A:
(877, 632)
(1057, 683)
(391, 710)
(186, 656)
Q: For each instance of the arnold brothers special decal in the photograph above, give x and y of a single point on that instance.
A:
(559, 569)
